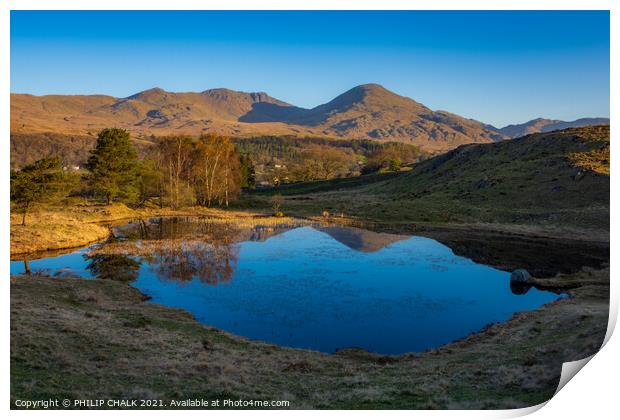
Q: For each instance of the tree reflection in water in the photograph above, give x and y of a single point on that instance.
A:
(211, 263)
(113, 266)
(178, 249)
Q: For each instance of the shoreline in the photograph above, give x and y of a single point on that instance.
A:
(109, 298)
(147, 299)
(65, 323)
(63, 230)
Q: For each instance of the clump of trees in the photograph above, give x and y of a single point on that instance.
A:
(391, 157)
(175, 171)
(323, 163)
(205, 171)
(210, 170)
(286, 159)
(26, 147)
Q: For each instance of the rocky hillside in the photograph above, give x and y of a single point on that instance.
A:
(374, 112)
(366, 111)
(534, 178)
(543, 125)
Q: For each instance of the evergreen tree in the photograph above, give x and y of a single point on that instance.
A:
(248, 175)
(39, 182)
(113, 166)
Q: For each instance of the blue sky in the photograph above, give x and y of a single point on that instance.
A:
(497, 67)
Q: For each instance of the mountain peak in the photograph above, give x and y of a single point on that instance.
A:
(151, 93)
(228, 94)
(370, 87)
(369, 97)
(221, 91)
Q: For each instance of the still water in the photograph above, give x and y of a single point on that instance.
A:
(320, 288)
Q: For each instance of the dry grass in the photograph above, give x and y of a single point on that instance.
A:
(82, 223)
(595, 160)
(43, 236)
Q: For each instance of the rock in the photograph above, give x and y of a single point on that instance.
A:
(578, 175)
(520, 276)
(206, 344)
(520, 281)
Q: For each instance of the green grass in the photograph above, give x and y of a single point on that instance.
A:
(553, 179)
(325, 185)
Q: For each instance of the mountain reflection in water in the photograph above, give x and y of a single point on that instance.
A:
(308, 285)
(184, 248)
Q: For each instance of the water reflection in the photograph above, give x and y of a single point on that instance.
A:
(211, 263)
(361, 239)
(113, 266)
(177, 249)
(26, 266)
(318, 287)
(519, 288)
(184, 248)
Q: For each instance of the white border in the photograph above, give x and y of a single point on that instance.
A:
(311, 5)
(593, 394)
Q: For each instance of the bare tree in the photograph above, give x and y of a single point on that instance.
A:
(216, 169)
(324, 163)
(173, 155)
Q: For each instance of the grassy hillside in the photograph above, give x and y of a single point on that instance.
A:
(326, 185)
(553, 178)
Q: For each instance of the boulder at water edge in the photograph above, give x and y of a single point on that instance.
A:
(520, 276)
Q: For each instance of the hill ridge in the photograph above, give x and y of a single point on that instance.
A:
(545, 125)
(368, 111)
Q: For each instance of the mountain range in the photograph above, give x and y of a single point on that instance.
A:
(367, 111)
(543, 125)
